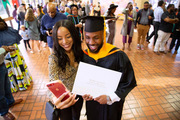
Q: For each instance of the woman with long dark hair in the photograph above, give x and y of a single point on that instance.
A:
(40, 14)
(63, 63)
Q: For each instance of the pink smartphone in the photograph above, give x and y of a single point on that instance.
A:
(57, 89)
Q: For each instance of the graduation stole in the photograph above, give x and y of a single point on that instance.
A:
(104, 51)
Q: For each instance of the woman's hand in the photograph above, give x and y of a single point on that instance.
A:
(9, 48)
(87, 97)
(78, 25)
(66, 103)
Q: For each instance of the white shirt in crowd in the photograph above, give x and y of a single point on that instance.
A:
(24, 34)
(157, 14)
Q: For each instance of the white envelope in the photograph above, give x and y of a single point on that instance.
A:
(96, 81)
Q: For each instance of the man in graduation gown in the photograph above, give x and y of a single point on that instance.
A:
(100, 53)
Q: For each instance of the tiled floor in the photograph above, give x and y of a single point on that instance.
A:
(157, 96)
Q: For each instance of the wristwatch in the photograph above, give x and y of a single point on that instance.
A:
(109, 100)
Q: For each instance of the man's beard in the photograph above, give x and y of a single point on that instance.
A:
(146, 9)
(99, 47)
(171, 11)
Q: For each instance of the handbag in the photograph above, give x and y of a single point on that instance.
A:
(51, 112)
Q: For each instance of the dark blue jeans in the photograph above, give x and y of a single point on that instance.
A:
(155, 32)
(6, 97)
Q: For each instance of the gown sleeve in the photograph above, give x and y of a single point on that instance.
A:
(127, 81)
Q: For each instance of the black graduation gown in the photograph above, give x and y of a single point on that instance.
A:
(117, 61)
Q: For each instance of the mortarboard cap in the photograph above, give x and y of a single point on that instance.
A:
(94, 23)
(73, 5)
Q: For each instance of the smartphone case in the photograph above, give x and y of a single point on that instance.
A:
(57, 89)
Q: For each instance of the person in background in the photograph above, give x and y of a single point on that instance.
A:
(67, 11)
(176, 36)
(6, 97)
(45, 8)
(57, 9)
(97, 10)
(111, 23)
(14, 14)
(83, 9)
(62, 7)
(18, 74)
(135, 7)
(87, 8)
(24, 5)
(40, 14)
(168, 18)
(48, 21)
(31, 23)
(30, 6)
(63, 65)
(79, 4)
(25, 36)
(151, 23)
(69, 3)
(21, 14)
(8, 37)
(102, 54)
(157, 20)
(41, 5)
(128, 24)
(75, 18)
(144, 16)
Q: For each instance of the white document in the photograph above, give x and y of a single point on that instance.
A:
(96, 81)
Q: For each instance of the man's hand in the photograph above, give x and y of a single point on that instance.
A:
(48, 33)
(87, 97)
(9, 48)
(101, 99)
(150, 17)
(64, 104)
